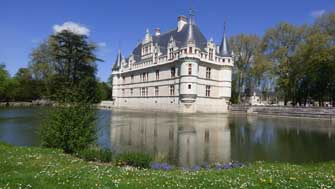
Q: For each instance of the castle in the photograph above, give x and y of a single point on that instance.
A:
(178, 71)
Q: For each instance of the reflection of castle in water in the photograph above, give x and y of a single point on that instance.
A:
(184, 139)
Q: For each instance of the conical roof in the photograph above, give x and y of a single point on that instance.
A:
(224, 49)
(117, 64)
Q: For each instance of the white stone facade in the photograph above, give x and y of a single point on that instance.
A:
(182, 77)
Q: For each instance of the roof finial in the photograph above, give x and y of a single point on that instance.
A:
(191, 16)
(190, 38)
(224, 26)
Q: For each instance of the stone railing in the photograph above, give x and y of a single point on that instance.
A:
(314, 112)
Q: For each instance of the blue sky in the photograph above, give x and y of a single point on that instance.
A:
(113, 24)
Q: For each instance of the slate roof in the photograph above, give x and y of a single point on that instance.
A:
(179, 37)
(118, 61)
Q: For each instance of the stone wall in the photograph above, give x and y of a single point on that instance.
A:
(313, 112)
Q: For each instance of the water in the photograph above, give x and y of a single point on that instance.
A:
(193, 139)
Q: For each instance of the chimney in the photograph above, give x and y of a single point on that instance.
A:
(182, 20)
(157, 32)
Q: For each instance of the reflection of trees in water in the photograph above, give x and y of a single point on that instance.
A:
(281, 139)
(183, 139)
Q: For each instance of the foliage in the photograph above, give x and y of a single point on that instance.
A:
(4, 81)
(95, 154)
(69, 127)
(250, 65)
(31, 167)
(280, 44)
(74, 67)
(104, 91)
(135, 159)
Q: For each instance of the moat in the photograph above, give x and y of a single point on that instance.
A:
(190, 139)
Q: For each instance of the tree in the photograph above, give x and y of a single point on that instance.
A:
(4, 81)
(250, 64)
(25, 87)
(41, 65)
(104, 91)
(280, 44)
(74, 67)
(71, 125)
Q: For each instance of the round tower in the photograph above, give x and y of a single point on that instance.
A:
(189, 72)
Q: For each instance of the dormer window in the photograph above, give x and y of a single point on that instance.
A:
(210, 55)
(171, 53)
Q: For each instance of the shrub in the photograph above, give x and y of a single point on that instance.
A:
(70, 127)
(105, 155)
(89, 154)
(95, 154)
(135, 159)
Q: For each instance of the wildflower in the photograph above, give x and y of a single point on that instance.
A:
(196, 168)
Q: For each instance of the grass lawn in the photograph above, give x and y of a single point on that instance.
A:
(31, 167)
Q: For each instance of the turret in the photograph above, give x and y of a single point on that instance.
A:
(189, 71)
(224, 50)
(118, 61)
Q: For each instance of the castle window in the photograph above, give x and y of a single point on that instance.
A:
(173, 72)
(131, 92)
(189, 86)
(189, 69)
(210, 54)
(144, 76)
(228, 60)
(143, 91)
(190, 50)
(208, 90)
(171, 53)
(123, 79)
(223, 60)
(132, 78)
(157, 74)
(208, 73)
(156, 91)
(123, 92)
(206, 136)
(146, 91)
(171, 90)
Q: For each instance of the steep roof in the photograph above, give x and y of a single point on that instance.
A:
(118, 61)
(180, 38)
(224, 48)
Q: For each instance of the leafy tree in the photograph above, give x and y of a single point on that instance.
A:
(70, 126)
(25, 86)
(280, 44)
(74, 67)
(41, 65)
(104, 91)
(250, 64)
(4, 81)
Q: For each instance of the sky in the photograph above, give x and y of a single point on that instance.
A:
(121, 24)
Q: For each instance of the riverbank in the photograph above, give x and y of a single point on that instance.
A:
(27, 103)
(32, 167)
(308, 112)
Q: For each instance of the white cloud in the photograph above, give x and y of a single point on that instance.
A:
(102, 44)
(318, 13)
(72, 27)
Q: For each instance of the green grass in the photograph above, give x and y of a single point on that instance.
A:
(31, 167)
